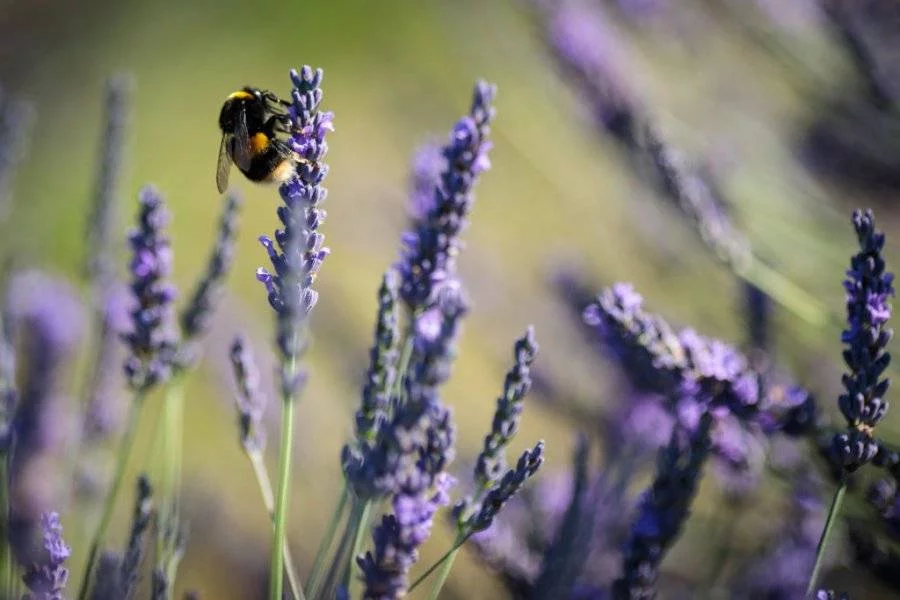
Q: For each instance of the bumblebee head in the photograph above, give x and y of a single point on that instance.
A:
(247, 101)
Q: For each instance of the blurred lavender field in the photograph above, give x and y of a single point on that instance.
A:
(709, 153)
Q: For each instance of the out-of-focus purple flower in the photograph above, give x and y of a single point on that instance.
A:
(739, 455)
(103, 224)
(585, 49)
(250, 401)
(757, 315)
(783, 570)
(195, 318)
(428, 256)
(8, 393)
(104, 411)
(134, 552)
(47, 580)
(46, 319)
(664, 507)
(831, 595)
(869, 290)
(298, 251)
(16, 120)
(152, 340)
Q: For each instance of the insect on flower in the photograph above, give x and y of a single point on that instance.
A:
(251, 120)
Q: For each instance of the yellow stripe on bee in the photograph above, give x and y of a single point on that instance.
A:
(258, 142)
(241, 95)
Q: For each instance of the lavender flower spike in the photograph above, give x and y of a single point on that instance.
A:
(428, 256)
(47, 581)
(297, 252)
(195, 318)
(663, 509)
(507, 487)
(869, 289)
(251, 403)
(152, 340)
(491, 463)
(382, 366)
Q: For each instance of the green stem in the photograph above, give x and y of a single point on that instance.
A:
(446, 559)
(7, 566)
(786, 293)
(403, 364)
(268, 498)
(276, 574)
(327, 540)
(99, 536)
(826, 533)
(362, 526)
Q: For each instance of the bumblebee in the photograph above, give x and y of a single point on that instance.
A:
(251, 120)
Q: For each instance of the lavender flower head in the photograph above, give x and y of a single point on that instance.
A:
(297, 252)
(493, 483)
(250, 401)
(47, 581)
(428, 256)
(152, 340)
(869, 289)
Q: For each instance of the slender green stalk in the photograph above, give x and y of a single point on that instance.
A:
(448, 557)
(443, 574)
(786, 293)
(276, 574)
(826, 533)
(6, 575)
(109, 504)
(327, 540)
(339, 561)
(403, 364)
(168, 443)
(268, 498)
(362, 526)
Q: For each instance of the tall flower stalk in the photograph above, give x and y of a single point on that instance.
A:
(152, 342)
(869, 288)
(296, 254)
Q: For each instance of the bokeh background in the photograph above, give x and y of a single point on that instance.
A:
(766, 95)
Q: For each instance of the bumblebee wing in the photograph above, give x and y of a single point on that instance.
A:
(241, 146)
(223, 166)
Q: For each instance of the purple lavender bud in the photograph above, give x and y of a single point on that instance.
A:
(134, 552)
(47, 580)
(398, 537)
(16, 120)
(152, 340)
(428, 256)
(507, 487)
(103, 224)
(298, 251)
(382, 363)
(195, 318)
(250, 401)
(663, 509)
(830, 595)
(869, 289)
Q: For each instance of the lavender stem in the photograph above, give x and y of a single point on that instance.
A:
(268, 498)
(276, 574)
(7, 566)
(447, 559)
(127, 444)
(826, 534)
(327, 540)
(362, 527)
